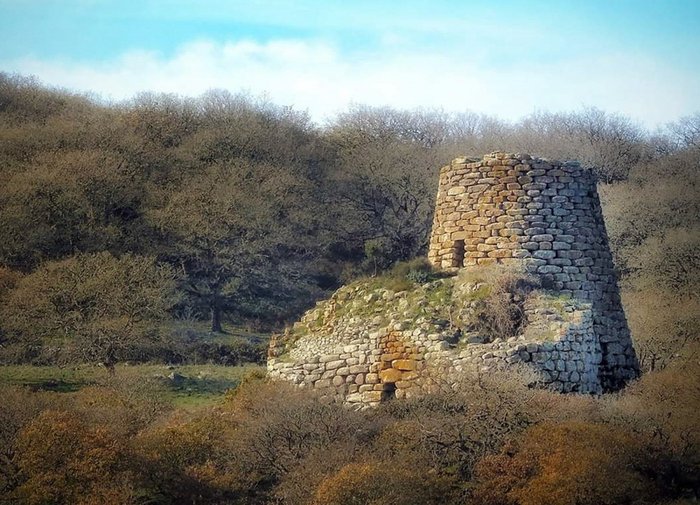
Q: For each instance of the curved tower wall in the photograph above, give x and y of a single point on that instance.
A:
(547, 214)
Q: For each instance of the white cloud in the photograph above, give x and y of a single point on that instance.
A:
(315, 75)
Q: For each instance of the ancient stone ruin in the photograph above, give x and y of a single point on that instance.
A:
(368, 343)
(513, 207)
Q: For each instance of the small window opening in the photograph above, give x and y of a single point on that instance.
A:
(458, 254)
(389, 391)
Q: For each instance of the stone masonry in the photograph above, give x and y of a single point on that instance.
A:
(367, 344)
(513, 207)
(364, 346)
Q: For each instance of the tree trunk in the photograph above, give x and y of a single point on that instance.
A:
(110, 361)
(216, 319)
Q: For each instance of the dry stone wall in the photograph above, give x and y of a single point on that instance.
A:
(546, 214)
(367, 344)
(364, 346)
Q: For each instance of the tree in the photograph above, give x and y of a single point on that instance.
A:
(686, 131)
(609, 144)
(227, 227)
(384, 181)
(71, 201)
(100, 307)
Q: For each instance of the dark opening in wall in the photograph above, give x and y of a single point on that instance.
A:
(389, 391)
(458, 255)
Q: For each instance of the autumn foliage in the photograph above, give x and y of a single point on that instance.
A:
(118, 220)
(567, 464)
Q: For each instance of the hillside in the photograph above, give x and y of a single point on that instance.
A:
(149, 247)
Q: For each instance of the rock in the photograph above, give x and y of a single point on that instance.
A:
(390, 375)
(372, 396)
(331, 365)
(176, 378)
(404, 364)
(372, 378)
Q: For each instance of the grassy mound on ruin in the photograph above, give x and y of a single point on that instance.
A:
(485, 302)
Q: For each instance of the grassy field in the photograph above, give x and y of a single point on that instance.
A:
(186, 386)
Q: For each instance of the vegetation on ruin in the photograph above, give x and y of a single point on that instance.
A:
(488, 301)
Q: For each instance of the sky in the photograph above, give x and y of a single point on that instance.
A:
(506, 58)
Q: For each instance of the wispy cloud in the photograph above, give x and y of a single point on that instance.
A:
(317, 76)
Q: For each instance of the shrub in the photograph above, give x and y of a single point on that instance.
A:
(450, 431)
(379, 483)
(571, 463)
(498, 310)
(8, 281)
(195, 348)
(19, 407)
(188, 460)
(404, 275)
(102, 308)
(67, 461)
(670, 261)
(272, 447)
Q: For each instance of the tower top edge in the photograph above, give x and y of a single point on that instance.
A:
(504, 158)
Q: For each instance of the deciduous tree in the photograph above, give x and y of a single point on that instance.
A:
(99, 307)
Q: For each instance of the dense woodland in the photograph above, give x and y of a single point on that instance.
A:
(121, 224)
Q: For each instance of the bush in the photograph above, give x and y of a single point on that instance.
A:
(404, 275)
(65, 460)
(497, 308)
(570, 463)
(20, 407)
(379, 483)
(188, 460)
(97, 307)
(670, 261)
(191, 347)
(8, 281)
(450, 431)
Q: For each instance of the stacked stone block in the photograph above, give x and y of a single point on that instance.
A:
(513, 207)
(364, 361)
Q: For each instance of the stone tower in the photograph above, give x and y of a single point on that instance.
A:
(546, 214)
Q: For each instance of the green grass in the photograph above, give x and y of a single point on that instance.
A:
(200, 385)
(232, 334)
(557, 301)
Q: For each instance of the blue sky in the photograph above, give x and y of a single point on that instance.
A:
(507, 58)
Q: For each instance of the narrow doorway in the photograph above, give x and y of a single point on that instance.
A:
(389, 391)
(458, 254)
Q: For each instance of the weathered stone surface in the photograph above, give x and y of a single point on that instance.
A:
(404, 364)
(390, 375)
(505, 208)
(331, 365)
(372, 396)
(357, 369)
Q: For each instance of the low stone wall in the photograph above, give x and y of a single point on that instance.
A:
(364, 361)
(569, 364)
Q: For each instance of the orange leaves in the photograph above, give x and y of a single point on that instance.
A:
(379, 483)
(64, 460)
(573, 463)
